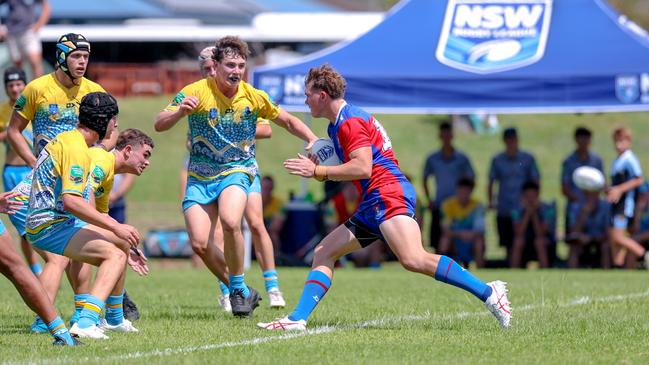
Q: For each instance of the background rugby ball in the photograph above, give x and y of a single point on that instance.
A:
(588, 178)
(324, 150)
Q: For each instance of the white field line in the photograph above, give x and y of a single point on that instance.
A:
(379, 322)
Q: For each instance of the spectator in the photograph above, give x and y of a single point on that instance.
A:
(582, 156)
(511, 169)
(641, 221)
(273, 215)
(447, 165)
(534, 222)
(463, 226)
(22, 32)
(586, 231)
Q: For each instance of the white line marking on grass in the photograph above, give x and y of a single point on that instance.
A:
(379, 322)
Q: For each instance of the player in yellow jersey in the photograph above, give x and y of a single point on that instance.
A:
(62, 222)
(253, 213)
(223, 112)
(15, 168)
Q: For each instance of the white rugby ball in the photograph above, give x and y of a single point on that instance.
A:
(324, 151)
(588, 178)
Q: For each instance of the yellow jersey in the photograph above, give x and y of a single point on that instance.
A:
(101, 177)
(61, 168)
(6, 109)
(51, 107)
(222, 130)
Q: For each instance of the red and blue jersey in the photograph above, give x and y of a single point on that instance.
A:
(387, 192)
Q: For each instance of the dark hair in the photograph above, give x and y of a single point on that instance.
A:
(445, 126)
(582, 132)
(269, 179)
(466, 182)
(510, 133)
(531, 185)
(133, 137)
(230, 46)
(326, 79)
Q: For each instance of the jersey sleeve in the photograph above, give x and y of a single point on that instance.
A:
(267, 108)
(263, 122)
(493, 170)
(353, 135)
(534, 170)
(25, 105)
(73, 168)
(174, 105)
(429, 167)
(633, 166)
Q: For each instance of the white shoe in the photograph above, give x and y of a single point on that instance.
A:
(90, 332)
(276, 299)
(498, 304)
(125, 326)
(224, 302)
(284, 324)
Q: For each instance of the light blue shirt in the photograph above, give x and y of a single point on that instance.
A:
(625, 168)
(447, 172)
(511, 174)
(572, 162)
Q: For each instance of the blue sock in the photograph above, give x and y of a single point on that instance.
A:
(114, 309)
(270, 280)
(57, 328)
(449, 272)
(36, 268)
(236, 282)
(79, 301)
(316, 286)
(224, 288)
(90, 312)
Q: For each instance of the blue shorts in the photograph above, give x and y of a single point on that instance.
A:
(3, 229)
(206, 192)
(255, 187)
(19, 216)
(12, 175)
(377, 207)
(620, 221)
(58, 236)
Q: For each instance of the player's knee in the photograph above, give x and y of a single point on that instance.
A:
(322, 254)
(231, 225)
(199, 246)
(116, 255)
(412, 263)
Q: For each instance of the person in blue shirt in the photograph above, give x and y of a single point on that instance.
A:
(534, 228)
(586, 231)
(447, 165)
(511, 169)
(626, 178)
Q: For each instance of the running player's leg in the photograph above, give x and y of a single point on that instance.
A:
(50, 279)
(224, 299)
(30, 289)
(336, 244)
(201, 221)
(403, 235)
(263, 248)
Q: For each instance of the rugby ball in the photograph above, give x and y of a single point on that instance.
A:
(588, 178)
(324, 151)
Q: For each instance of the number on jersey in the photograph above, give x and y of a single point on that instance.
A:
(387, 143)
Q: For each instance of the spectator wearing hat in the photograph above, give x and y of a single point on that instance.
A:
(510, 169)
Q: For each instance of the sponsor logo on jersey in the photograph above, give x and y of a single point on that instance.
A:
(98, 175)
(76, 174)
(20, 103)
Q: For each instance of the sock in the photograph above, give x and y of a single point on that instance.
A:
(90, 313)
(36, 268)
(114, 309)
(79, 301)
(449, 272)
(316, 286)
(224, 288)
(57, 329)
(236, 282)
(270, 280)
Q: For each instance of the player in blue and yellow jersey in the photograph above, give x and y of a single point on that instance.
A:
(15, 168)
(223, 112)
(253, 213)
(387, 207)
(61, 221)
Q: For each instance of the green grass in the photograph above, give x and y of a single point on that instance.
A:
(369, 317)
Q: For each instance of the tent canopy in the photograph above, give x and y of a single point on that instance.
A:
(501, 56)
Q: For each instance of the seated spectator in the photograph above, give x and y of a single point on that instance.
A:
(534, 228)
(640, 227)
(587, 223)
(463, 226)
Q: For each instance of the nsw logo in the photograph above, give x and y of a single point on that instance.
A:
(487, 36)
(325, 153)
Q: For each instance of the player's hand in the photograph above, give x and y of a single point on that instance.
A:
(301, 166)
(614, 194)
(309, 146)
(128, 233)
(7, 204)
(137, 261)
(188, 104)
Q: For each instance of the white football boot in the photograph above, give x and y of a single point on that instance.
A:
(125, 326)
(90, 332)
(498, 304)
(276, 299)
(284, 324)
(224, 302)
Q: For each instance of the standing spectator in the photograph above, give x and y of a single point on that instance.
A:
(22, 32)
(586, 229)
(511, 169)
(463, 226)
(534, 224)
(582, 156)
(448, 165)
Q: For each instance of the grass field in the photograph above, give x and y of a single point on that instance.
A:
(387, 316)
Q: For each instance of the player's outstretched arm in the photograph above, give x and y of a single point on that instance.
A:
(295, 126)
(81, 209)
(14, 132)
(358, 167)
(263, 131)
(166, 119)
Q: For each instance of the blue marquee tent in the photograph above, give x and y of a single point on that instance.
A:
(500, 56)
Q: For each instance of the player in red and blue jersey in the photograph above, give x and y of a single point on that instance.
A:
(387, 207)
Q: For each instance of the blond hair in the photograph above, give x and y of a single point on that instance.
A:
(622, 132)
(206, 54)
